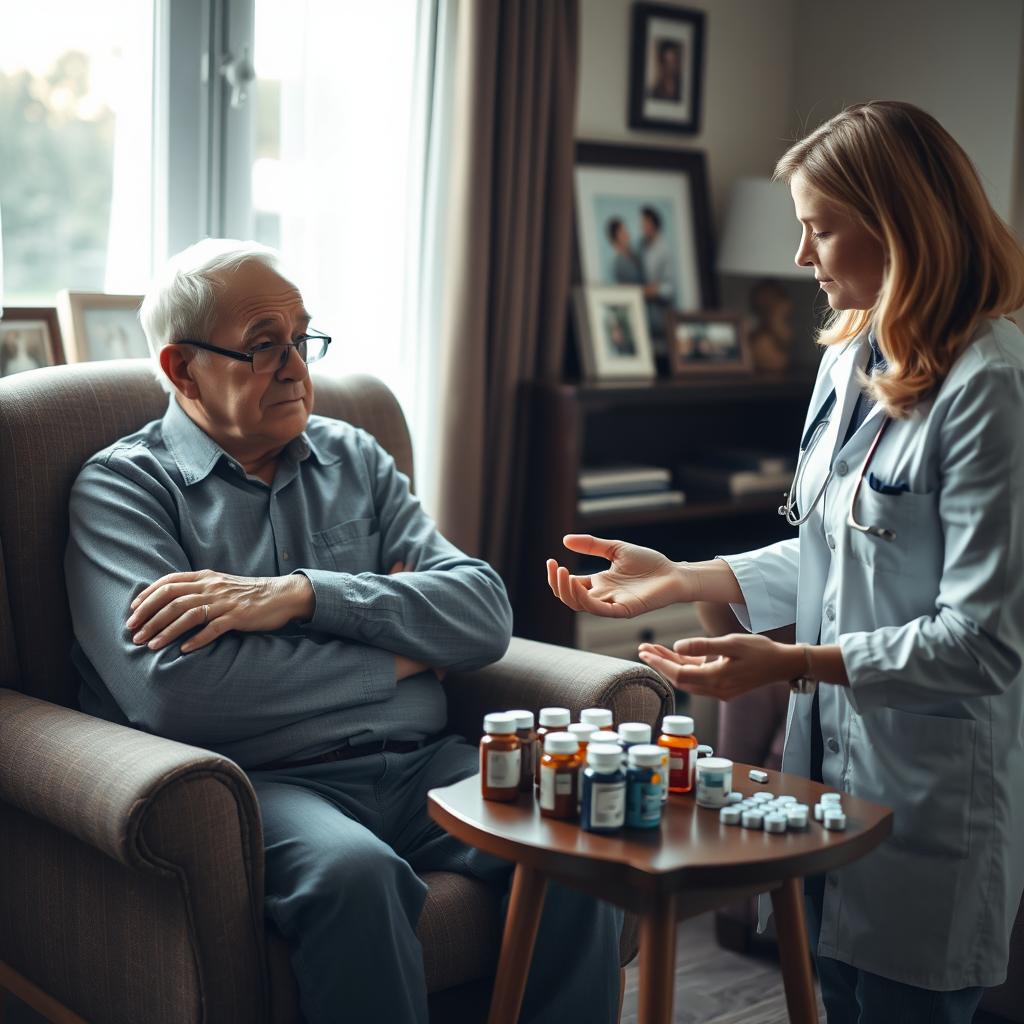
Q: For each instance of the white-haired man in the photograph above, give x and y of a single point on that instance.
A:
(235, 577)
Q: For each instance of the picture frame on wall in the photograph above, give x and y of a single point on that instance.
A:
(29, 339)
(643, 218)
(612, 327)
(666, 69)
(97, 325)
(708, 342)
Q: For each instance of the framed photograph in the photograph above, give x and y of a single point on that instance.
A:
(101, 326)
(643, 218)
(708, 343)
(29, 339)
(666, 68)
(612, 327)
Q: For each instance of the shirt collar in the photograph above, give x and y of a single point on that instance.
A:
(196, 453)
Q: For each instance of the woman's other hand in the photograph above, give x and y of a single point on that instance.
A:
(724, 666)
(639, 579)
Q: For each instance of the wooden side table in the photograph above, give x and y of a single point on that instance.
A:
(690, 865)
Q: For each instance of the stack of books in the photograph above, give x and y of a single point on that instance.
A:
(737, 472)
(627, 487)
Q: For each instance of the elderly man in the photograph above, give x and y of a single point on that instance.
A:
(249, 578)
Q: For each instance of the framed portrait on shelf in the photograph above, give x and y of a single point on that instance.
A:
(29, 338)
(643, 219)
(612, 328)
(101, 326)
(666, 68)
(708, 343)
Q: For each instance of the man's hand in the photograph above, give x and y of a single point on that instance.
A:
(218, 601)
(724, 666)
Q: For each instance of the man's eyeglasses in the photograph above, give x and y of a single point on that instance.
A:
(270, 357)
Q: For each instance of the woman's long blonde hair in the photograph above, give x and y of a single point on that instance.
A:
(949, 260)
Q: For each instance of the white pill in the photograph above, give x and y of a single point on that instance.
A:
(784, 800)
(756, 775)
(763, 798)
(819, 812)
(796, 816)
(831, 798)
(734, 798)
(775, 823)
(752, 819)
(729, 815)
(835, 820)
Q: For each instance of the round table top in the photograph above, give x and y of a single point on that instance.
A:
(691, 849)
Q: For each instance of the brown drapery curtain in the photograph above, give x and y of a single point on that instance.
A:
(508, 278)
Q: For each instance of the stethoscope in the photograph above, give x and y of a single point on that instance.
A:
(810, 439)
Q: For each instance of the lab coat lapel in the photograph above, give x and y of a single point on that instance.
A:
(843, 374)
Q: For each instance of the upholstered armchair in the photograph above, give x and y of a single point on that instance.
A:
(131, 866)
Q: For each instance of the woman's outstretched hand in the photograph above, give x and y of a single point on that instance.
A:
(638, 580)
(724, 666)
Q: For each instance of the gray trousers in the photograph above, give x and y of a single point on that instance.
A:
(346, 842)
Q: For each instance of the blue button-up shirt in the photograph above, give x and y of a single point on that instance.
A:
(169, 499)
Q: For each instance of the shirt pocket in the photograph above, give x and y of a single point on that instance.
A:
(352, 546)
(922, 767)
(911, 516)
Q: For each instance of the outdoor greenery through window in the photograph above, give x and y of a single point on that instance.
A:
(75, 144)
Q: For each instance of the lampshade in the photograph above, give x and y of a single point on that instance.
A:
(1, 267)
(761, 231)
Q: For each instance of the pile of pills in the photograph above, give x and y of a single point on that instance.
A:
(785, 813)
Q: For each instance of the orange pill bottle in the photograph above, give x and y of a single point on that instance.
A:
(500, 758)
(559, 776)
(677, 736)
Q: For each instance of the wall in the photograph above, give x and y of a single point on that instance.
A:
(749, 49)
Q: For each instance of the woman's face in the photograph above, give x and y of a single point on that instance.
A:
(848, 261)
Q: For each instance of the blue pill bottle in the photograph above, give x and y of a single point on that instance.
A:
(603, 800)
(643, 786)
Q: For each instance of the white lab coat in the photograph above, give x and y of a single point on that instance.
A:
(931, 627)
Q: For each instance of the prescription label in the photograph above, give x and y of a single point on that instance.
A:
(503, 767)
(607, 804)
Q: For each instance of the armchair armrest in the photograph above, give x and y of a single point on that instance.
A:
(181, 825)
(533, 675)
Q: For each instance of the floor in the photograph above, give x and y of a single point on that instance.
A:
(715, 986)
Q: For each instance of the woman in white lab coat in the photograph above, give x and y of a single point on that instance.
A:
(906, 582)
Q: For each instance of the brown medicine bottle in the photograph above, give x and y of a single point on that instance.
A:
(582, 731)
(559, 776)
(528, 741)
(500, 758)
(677, 736)
(551, 720)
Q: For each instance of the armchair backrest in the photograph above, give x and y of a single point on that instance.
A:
(51, 421)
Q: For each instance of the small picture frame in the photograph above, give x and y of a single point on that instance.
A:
(708, 343)
(101, 326)
(29, 338)
(666, 69)
(612, 327)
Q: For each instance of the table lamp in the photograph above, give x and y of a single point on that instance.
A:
(760, 239)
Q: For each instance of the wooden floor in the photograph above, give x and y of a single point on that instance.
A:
(715, 986)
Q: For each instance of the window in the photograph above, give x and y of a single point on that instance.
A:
(75, 148)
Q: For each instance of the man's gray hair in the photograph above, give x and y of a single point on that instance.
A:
(182, 300)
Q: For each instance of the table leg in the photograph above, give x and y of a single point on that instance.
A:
(657, 963)
(794, 953)
(521, 924)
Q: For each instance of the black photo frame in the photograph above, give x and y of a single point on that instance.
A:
(667, 68)
(615, 182)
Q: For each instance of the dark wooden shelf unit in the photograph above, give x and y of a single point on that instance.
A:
(590, 424)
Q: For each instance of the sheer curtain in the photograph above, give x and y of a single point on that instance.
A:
(354, 183)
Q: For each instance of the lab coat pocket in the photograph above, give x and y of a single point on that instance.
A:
(922, 766)
(352, 546)
(907, 514)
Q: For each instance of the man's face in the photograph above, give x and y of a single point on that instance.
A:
(649, 228)
(244, 409)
